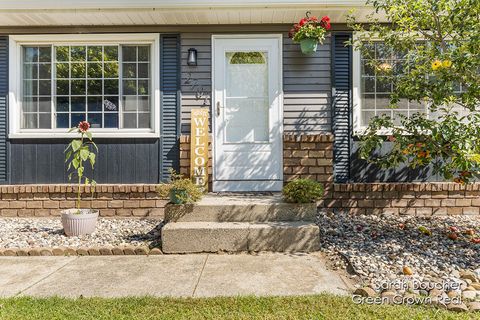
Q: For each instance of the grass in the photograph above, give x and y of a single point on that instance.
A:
(307, 307)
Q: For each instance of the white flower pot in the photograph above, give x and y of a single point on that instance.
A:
(79, 224)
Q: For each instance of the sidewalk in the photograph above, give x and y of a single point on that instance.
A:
(199, 275)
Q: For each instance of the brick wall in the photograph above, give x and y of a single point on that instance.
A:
(308, 156)
(110, 200)
(418, 199)
(304, 156)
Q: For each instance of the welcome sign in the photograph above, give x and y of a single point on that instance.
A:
(199, 147)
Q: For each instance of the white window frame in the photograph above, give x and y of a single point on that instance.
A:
(15, 77)
(358, 129)
(357, 91)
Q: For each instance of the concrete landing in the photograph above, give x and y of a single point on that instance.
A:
(200, 275)
(241, 208)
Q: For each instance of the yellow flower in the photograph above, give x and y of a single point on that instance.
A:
(436, 64)
(385, 67)
(447, 63)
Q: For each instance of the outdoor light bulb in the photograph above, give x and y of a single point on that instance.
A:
(192, 57)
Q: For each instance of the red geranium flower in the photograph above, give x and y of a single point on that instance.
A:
(325, 22)
(83, 126)
(302, 22)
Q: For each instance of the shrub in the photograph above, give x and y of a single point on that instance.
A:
(438, 72)
(179, 190)
(302, 191)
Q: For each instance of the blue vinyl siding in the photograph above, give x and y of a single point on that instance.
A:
(119, 161)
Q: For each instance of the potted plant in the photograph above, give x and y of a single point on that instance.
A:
(79, 221)
(179, 190)
(309, 32)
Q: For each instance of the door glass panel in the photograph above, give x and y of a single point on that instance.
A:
(246, 97)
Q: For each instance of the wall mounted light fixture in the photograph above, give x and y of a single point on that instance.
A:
(192, 57)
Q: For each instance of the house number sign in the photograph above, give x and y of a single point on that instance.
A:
(199, 147)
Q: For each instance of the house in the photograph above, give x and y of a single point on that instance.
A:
(135, 70)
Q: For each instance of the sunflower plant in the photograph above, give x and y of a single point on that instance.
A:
(78, 152)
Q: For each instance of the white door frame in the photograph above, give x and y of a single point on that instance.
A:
(275, 185)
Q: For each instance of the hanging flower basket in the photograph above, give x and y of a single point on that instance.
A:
(309, 32)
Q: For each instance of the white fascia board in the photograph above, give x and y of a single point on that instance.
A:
(168, 4)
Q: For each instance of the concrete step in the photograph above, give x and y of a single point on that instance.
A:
(195, 237)
(238, 208)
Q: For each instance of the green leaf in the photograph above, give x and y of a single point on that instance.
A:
(84, 153)
(68, 155)
(76, 144)
(92, 159)
(89, 135)
(80, 172)
(75, 163)
(425, 230)
(475, 158)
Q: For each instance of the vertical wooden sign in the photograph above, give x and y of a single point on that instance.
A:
(199, 147)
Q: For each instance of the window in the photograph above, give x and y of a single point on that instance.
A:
(111, 84)
(372, 90)
(37, 87)
(246, 94)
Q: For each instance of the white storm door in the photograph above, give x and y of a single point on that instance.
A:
(247, 113)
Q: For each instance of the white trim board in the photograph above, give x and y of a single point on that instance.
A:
(25, 13)
(15, 67)
(114, 4)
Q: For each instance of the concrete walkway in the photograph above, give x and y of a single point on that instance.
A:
(199, 275)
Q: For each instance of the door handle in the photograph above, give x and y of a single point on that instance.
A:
(218, 108)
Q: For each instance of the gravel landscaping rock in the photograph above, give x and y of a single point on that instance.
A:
(48, 233)
(410, 255)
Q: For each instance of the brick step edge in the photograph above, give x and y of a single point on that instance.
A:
(81, 251)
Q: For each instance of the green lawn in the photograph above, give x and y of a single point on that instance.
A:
(311, 307)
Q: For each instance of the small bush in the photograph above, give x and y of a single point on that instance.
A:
(302, 191)
(179, 190)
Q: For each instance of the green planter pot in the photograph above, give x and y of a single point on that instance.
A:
(308, 46)
(177, 196)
